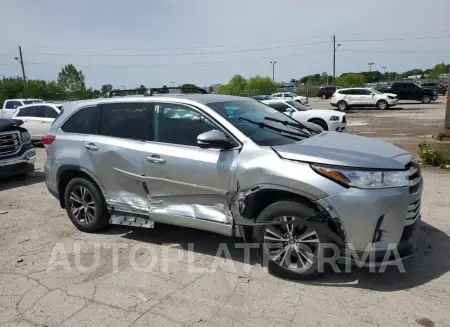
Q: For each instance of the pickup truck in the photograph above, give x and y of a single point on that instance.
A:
(10, 106)
(17, 154)
(411, 91)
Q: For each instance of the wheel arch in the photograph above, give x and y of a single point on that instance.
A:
(68, 172)
(320, 120)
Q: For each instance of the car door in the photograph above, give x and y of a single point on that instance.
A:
(184, 180)
(116, 154)
(27, 114)
(368, 98)
(39, 121)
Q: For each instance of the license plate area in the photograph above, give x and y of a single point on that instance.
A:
(131, 221)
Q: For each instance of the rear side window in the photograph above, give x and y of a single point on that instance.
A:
(25, 112)
(39, 111)
(84, 121)
(132, 120)
(50, 112)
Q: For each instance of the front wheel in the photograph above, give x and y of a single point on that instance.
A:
(321, 123)
(426, 99)
(290, 251)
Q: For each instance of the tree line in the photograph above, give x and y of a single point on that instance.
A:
(71, 84)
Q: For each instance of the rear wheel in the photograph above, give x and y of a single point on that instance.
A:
(342, 105)
(324, 96)
(291, 251)
(426, 99)
(85, 205)
(382, 105)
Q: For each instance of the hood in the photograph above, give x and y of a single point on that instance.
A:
(391, 94)
(326, 112)
(9, 124)
(344, 149)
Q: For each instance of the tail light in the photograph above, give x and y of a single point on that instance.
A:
(48, 140)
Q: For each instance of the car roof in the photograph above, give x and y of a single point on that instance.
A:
(29, 99)
(274, 101)
(188, 98)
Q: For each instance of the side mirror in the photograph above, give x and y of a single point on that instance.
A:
(214, 139)
(289, 110)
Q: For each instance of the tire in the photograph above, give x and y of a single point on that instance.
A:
(92, 216)
(382, 105)
(323, 96)
(321, 123)
(342, 105)
(426, 99)
(266, 238)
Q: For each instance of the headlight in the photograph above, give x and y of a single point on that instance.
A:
(25, 136)
(334, 118)
(364, 179)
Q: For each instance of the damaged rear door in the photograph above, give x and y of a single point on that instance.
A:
(184, 180)
(117, 153)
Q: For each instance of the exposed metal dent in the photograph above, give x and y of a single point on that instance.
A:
(219, 191)
(133, 175)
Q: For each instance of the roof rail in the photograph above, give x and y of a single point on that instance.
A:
(152, 91)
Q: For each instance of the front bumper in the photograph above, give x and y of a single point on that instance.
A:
(375, 220)
(392, 102)
(337, 126)
(22, 163)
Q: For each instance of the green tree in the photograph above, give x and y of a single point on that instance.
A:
(261, 85)
(189, 88)
(72, 81)
(106, 88)
(351, 79)
(437, 70)
(236, 86)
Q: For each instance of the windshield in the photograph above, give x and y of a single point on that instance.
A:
(298, 106)
(234, 111)
(31, 101)
(375, 91)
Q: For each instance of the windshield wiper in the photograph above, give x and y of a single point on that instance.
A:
(275, 130)
(294, 125)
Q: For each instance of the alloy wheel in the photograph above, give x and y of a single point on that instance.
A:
(292, 247)
(382, 105)
(82, 205)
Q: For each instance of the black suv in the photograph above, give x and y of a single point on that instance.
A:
(325, 92)
(440, 88)
(411, 91)
(17, 154)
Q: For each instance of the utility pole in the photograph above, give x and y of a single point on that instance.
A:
(384, 69)
(335, 46)
(20, 59)
(273, 70)
(447, 111)
(370, 71)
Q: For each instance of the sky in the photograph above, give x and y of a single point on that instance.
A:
(204, 42)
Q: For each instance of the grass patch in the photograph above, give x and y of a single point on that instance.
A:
(429, 156)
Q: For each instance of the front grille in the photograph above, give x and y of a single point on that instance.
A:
(414, 175)
(9, 143)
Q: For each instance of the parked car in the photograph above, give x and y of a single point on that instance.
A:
(10, 106)
(261, 97)
(440, 88)
(17, 154)
(411, 91)
(325, 92)
(290, 96)
(362, 97)
(328, 120)
(237, 167)
(38, 117)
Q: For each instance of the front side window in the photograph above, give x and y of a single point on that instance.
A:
(258, 112)
(32, 101)
(180, 124)
(132, 120)
(83, 121)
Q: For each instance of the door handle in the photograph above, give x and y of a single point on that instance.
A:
(91, 147)
(156, 159)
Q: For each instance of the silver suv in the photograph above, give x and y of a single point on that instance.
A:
(233, 166)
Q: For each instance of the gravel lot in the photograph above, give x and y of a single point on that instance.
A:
(40, 250)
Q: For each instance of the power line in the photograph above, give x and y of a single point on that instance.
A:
(194, 64)
(396, 51)
(398, 39)
(176, 54)
(180, 48)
